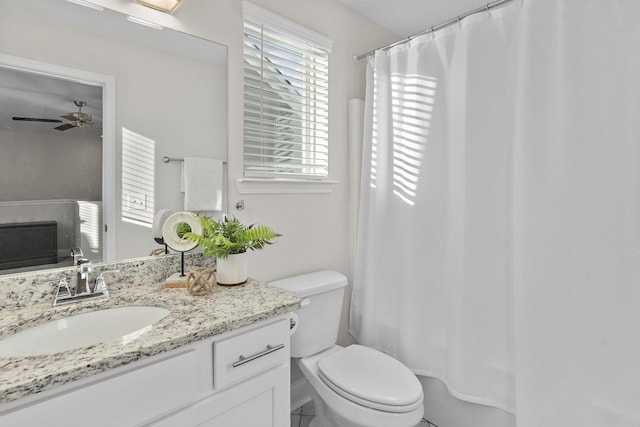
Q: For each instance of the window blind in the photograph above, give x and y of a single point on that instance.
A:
(286, 105)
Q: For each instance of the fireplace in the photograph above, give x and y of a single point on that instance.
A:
(28, 243)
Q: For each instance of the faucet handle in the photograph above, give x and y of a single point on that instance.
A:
(101, 285)
(62, 282)
(62, 290)
(63, 287)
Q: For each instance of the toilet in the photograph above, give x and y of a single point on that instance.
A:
(352, 386)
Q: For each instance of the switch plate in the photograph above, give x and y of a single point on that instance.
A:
(137, 201)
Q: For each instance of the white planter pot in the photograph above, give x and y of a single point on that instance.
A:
(232, 270)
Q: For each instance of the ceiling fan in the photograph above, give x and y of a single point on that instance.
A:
(77, 119)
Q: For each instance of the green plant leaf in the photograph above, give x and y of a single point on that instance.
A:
(229, 236)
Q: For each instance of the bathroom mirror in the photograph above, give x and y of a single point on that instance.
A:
(166, 96)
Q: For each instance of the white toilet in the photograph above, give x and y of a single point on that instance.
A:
(353, 386)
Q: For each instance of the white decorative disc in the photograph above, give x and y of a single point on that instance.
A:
(170, 231)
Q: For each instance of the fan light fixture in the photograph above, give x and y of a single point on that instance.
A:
(167, 6)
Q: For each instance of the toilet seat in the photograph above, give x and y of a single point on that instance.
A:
(372, 379)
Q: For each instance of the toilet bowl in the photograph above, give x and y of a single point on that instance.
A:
(360, 400)
(352, 386)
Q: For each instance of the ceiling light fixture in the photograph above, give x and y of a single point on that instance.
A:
(167, 6)
(87, 4)
(144, 22)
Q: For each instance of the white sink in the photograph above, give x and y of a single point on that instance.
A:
(124, 324)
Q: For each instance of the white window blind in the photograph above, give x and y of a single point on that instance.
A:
(286, 91)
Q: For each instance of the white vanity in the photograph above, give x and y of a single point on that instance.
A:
(221, 359)
(196, 384)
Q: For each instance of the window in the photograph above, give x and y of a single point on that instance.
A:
(285, 98)
(138, 178)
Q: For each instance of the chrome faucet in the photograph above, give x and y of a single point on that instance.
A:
(83, 290)
(84, 267)
(67, 295)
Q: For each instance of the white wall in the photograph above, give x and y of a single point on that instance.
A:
(58, 165)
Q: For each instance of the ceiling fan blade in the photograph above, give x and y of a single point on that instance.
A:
(70, 117)
(64, 126)
(34, 119)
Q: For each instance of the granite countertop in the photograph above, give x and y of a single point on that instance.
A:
(190, 319)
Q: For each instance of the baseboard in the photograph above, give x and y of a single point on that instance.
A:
(300, 393)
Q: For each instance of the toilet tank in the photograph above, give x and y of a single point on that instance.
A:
(318, 321)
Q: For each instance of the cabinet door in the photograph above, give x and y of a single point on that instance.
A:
(262, 401)
(123, 398)
(255, 412)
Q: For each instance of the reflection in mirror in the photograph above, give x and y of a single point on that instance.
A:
(65, 178)
(50, 169)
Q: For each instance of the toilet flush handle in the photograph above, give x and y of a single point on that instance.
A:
(293, 320)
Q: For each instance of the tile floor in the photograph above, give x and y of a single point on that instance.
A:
(301, 417)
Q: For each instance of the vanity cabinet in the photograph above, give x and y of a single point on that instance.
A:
(238, 378)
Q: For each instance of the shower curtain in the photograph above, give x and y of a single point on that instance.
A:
(498, 241)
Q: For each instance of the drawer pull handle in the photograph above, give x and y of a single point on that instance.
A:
(270, 349)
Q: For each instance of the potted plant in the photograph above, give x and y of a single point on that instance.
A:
(228, 240)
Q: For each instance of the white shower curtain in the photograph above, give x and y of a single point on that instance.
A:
(499, 227)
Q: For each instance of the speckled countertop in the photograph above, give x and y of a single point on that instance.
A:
(190, 319)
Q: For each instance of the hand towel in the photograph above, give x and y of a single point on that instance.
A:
(202, 184)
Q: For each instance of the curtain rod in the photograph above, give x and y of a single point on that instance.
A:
(487, 7)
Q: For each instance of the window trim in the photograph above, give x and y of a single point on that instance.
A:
(275, 184)
(257, 14)
(283, 186)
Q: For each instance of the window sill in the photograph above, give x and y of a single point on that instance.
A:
(283, 186)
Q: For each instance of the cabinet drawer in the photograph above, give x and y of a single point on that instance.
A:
(243, 355)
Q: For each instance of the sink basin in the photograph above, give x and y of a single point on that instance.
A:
(125, 324)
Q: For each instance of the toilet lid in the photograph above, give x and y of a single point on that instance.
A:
(371, 378)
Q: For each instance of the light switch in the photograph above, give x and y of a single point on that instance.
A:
(137, 201)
